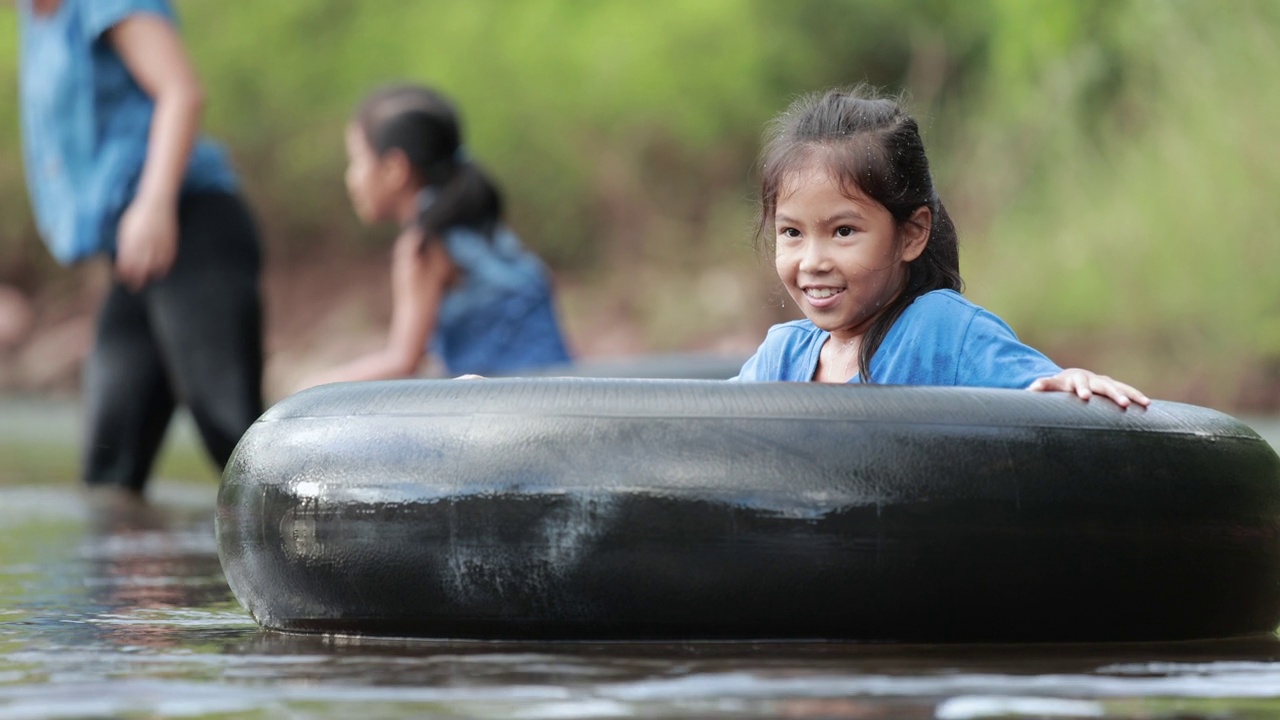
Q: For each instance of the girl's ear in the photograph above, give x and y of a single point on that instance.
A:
(395, 168)
(915, 233)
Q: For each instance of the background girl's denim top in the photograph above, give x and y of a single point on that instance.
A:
(499, 317)
(85, 125)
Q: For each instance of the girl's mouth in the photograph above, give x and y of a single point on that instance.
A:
(821, 297)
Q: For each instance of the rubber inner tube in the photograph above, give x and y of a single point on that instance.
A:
(594, 509)
(661, 366)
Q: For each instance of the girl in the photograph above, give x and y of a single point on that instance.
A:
(460, 278)
(116, 168)
(863, 244)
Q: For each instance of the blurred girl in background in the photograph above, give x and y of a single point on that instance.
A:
(462, 285)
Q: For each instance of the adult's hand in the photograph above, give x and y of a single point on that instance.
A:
(147, 242)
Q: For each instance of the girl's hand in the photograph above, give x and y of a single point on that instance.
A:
(147, 242)
(1084, 384)
(419, 278)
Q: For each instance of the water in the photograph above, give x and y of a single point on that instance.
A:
(118, 611)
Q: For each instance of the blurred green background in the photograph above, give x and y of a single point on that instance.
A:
(1111, 165)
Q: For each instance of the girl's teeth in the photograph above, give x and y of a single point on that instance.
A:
(819, 294)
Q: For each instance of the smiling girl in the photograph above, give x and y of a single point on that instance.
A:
(863, 244)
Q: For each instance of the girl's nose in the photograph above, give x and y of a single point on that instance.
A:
(813, 258)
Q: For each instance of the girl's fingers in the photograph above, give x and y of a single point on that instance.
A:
(1104, 386)
(1084, 388)
(1116, 394)
(1085, 384)
(1136, 395)
(1129, 393)
(1124, 394)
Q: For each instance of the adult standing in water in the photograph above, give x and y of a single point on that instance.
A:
(116, 168)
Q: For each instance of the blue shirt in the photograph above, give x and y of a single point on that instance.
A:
(85, 125)
(499, 318)
(940, 339)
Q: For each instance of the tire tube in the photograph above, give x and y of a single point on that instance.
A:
(590, 509)
(666, 366)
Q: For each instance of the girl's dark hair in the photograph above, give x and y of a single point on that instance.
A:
(871, 146)
(424, 125)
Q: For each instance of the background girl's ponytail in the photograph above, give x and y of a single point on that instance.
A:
(424, 125)
(466, 198)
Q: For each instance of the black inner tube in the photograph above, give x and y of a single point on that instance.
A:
(680, 509)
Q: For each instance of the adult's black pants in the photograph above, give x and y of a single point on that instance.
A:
(193, 337)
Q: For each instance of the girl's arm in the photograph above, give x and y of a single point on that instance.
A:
(148, 233)
(1085, 384)
(992, 356)
(419, 277)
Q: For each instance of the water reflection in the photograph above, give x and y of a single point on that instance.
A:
(112, 609)
(145, 569)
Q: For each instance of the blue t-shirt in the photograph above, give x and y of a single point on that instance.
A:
(940, 339)
(85, 125)
(500, 317)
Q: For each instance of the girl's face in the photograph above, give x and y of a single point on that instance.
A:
(842, 259)
(372, 181)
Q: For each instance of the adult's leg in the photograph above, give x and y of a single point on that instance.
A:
(128, 402)
(206, 315)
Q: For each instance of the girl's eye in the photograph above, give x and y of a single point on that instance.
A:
(789, 232)
(844, 231)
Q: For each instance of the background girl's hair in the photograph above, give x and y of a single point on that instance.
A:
(869, 145)
(424, 125)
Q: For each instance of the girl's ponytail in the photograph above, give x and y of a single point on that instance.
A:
(467, 198)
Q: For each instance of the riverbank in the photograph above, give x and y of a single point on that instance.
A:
(325, 310)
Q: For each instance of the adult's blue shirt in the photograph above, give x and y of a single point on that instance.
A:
(85, 126)
(939, 339)
(500, 317)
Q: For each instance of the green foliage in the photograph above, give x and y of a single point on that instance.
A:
(1108, 161)
(1143, 174)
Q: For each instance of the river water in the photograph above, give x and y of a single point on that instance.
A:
(111, 611)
